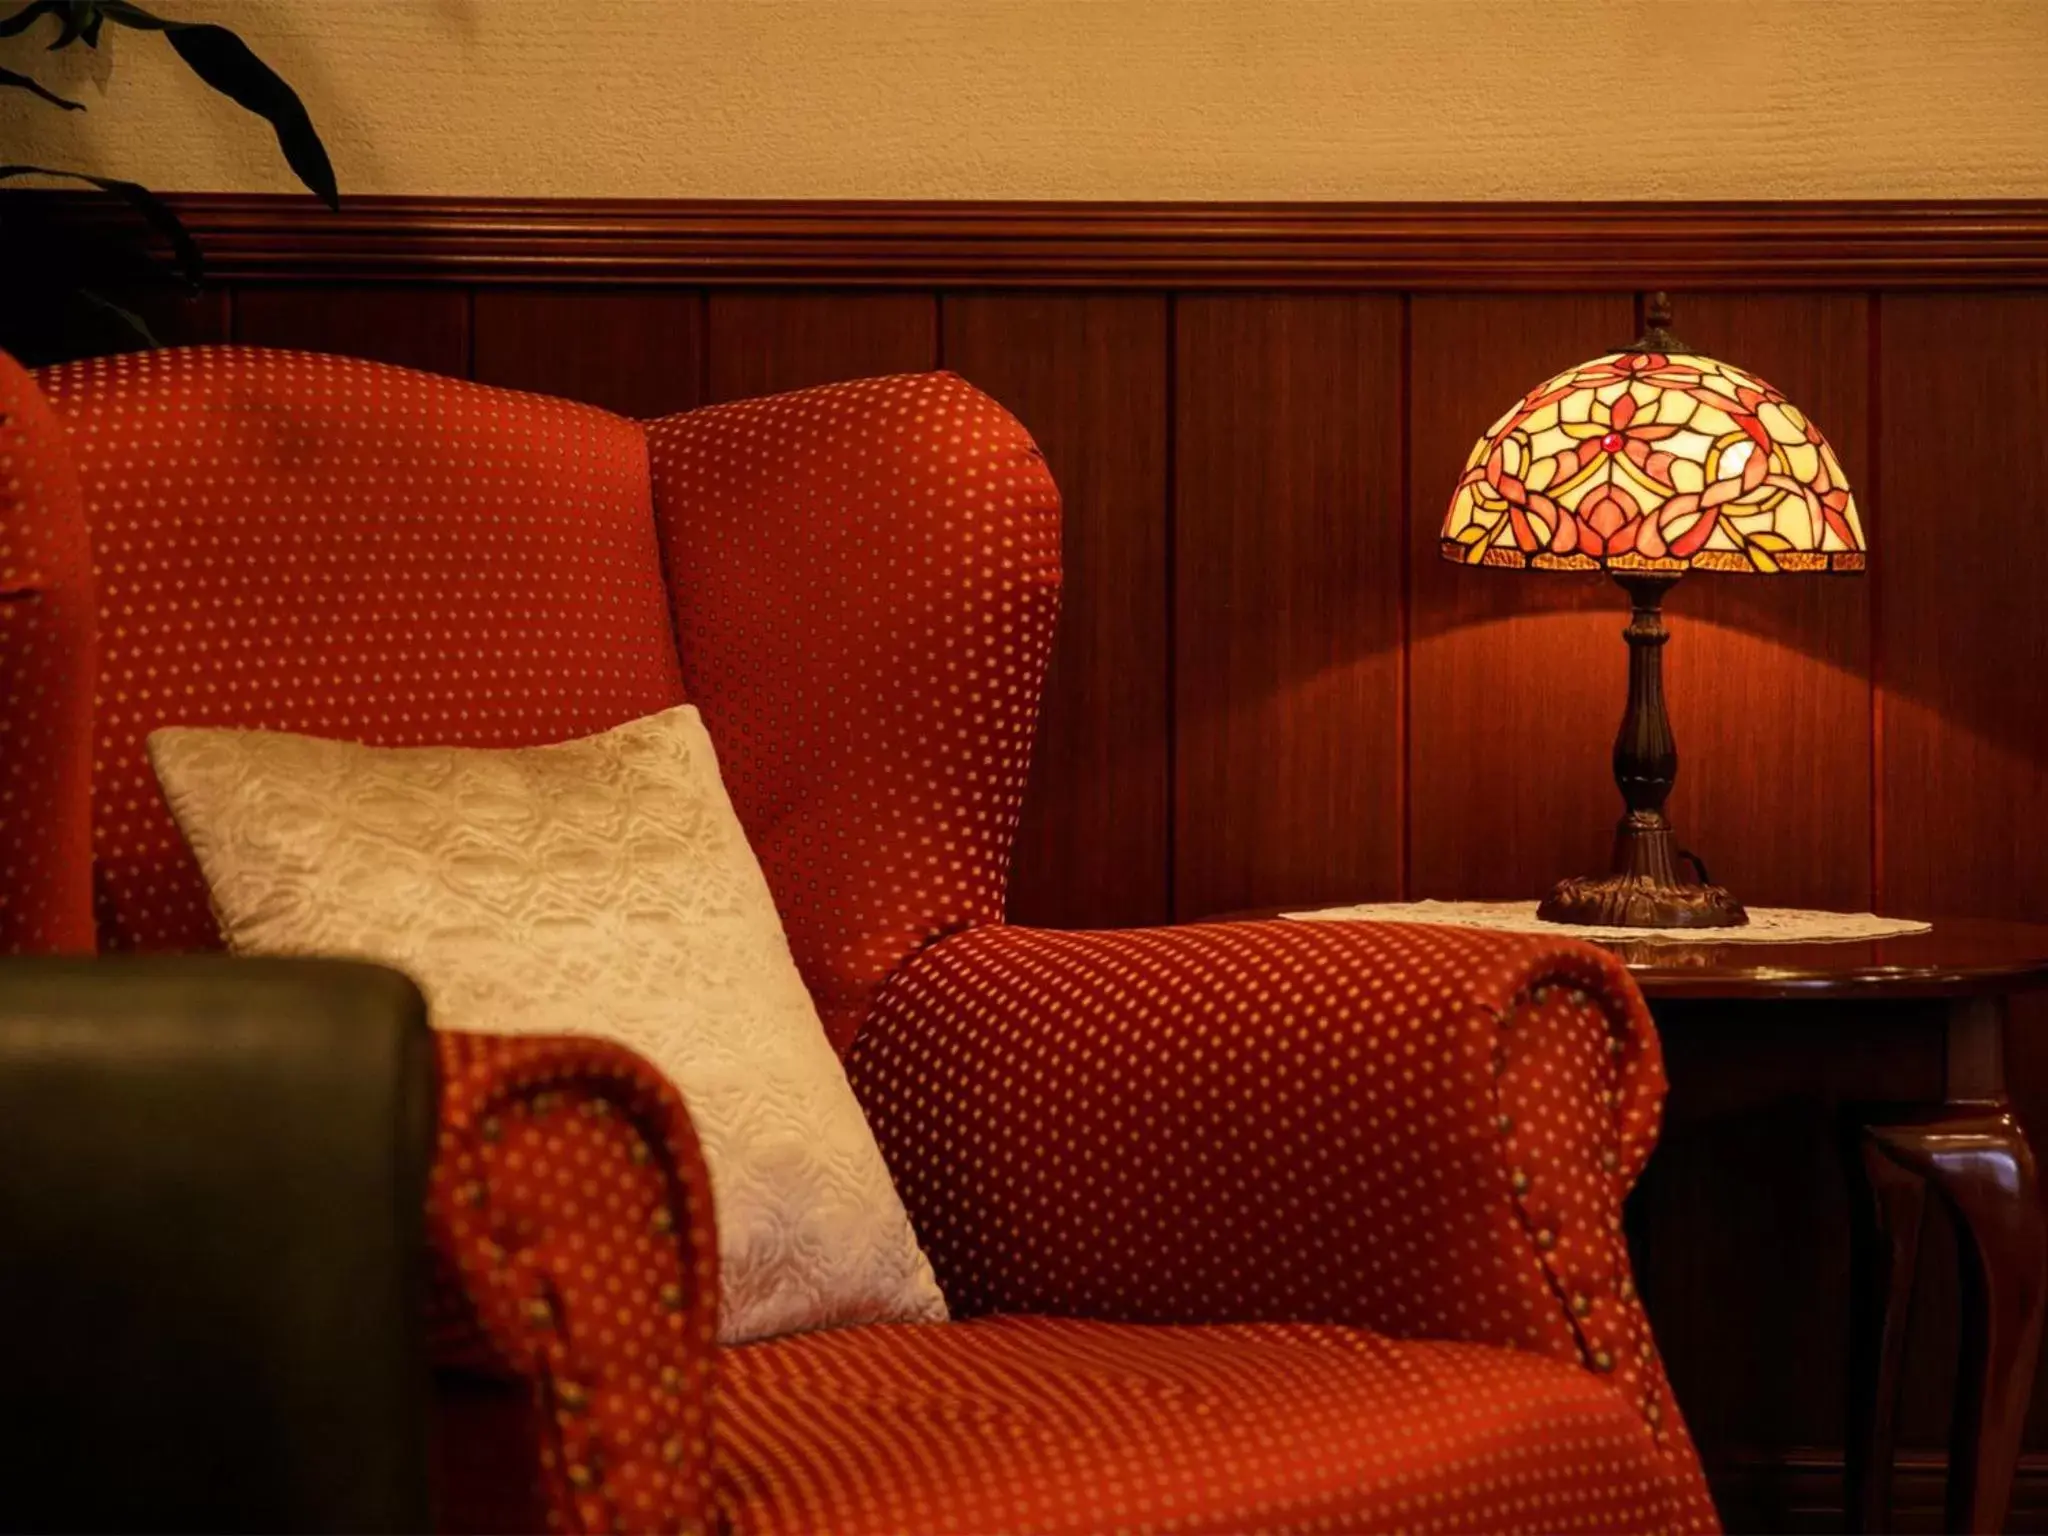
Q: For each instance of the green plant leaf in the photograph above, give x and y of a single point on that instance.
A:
(230, 66)
(218, 57)
(81, 19)
(23, 83)
(226, 63)
(28, 16)
(75, 19)
(126, 316)
(184, 249)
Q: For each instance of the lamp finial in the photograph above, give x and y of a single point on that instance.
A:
(1657, 335)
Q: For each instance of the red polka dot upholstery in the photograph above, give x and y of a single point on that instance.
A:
(47, 667)
(571, 1217)
(305, 543)
(1376, 1155)
(1033, 1424)
(1423, 1131)
(865, 580)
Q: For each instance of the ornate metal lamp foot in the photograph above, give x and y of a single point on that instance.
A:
(1635, 901)
(1645, 890)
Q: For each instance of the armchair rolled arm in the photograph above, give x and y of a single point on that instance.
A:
(575, 1251)
(1424, 1131)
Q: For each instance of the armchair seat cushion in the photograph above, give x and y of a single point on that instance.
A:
(1042, 1424)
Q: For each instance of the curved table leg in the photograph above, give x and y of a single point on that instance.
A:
(1977, 1158)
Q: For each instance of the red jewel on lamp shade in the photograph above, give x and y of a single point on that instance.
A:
(1649, 463)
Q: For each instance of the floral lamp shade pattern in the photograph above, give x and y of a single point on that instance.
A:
(1648, 462)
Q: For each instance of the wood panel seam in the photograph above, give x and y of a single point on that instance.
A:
(1404, 606)
(1873, 467)
(1171, 598)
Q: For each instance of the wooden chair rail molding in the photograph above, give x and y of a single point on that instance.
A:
(1269, 690)
(1421, 247)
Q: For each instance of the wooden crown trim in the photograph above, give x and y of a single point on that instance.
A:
(1505, 246)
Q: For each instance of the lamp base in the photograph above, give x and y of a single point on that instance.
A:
(1635, 901)
(1644, 891)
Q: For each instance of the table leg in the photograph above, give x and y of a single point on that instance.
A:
(1976, 1157)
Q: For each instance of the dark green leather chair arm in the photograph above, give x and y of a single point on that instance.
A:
(212, 1245)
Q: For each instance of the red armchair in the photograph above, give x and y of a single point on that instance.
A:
(1245, 1225)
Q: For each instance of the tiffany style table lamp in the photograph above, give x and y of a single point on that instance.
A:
(1647, 464)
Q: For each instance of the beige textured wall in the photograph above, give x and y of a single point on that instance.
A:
(1396, 99)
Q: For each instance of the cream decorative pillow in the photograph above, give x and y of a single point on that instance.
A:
(599, 887)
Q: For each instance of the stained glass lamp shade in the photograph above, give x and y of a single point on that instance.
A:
(1649, 463)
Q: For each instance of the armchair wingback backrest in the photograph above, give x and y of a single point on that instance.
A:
(301, 543)
(862, 578)
(865, 579)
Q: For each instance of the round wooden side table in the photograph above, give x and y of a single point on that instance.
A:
(1967, 1148)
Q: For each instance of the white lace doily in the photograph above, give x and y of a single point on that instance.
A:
(1767, 925)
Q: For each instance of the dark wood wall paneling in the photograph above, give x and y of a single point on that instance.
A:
(1287, 600)
(1088, 375)
(639, 353)
(1963, 631)
(418, 327)
(1268, 688)
(763, 342)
